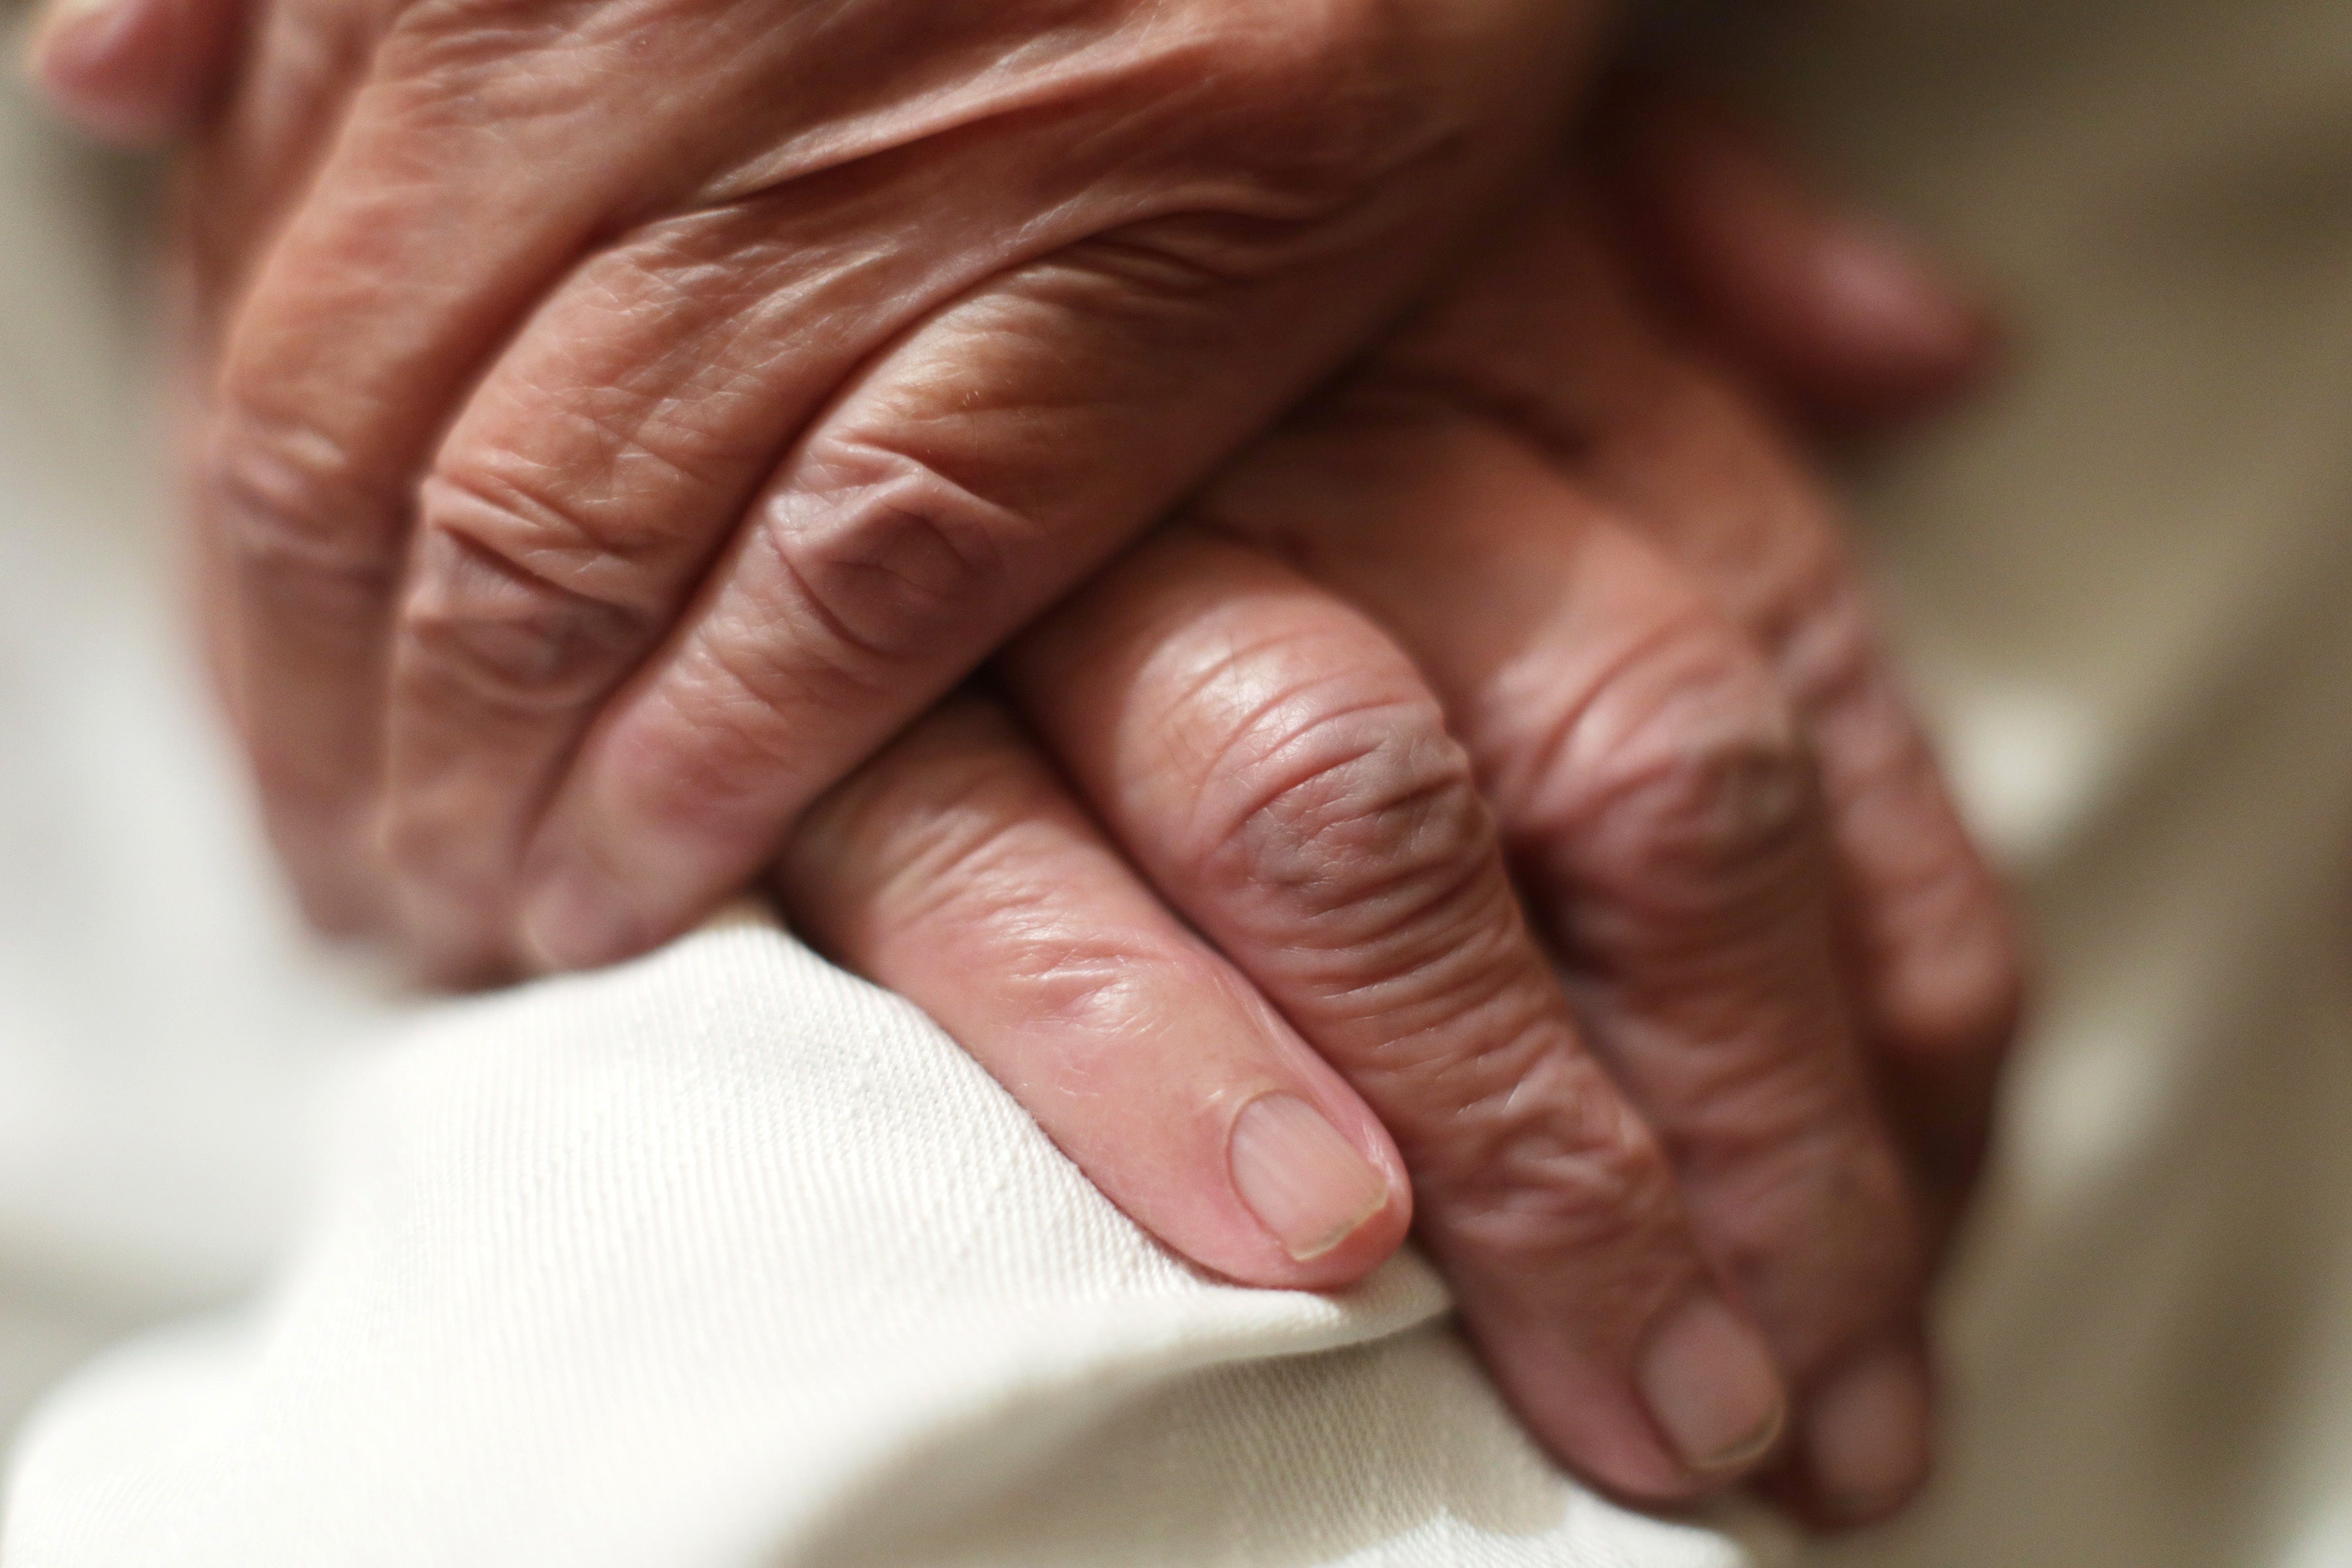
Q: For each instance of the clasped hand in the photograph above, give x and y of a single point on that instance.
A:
(647, 446)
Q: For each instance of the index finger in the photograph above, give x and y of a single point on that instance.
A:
(1278, 768)
(955, 868)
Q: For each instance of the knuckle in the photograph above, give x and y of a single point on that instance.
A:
(1821, 1232)
(1682, 779)
(1552, 1164)
(885, 554)
(293, 511)
(1342, 827)
(509, 606)
(1363, 816)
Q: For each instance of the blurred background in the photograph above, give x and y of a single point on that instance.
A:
(2122, 582)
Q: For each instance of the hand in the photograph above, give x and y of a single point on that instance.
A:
(956, 868)
(625, 416)
(1536, 592)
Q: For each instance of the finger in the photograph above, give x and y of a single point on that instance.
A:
(1660, 807)
(1839, 315)
(417, 257)
(1278, 769)
(358, 328)
(1553, 346)
(580, 498)
(1934, 962)
(134, 72)
(955, 869)
(471, 168)
(964, 482)
(434, 223)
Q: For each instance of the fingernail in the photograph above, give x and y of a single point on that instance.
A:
(1304, 1182)
(574, 919)
(1711, 1387)
(1866, 1435)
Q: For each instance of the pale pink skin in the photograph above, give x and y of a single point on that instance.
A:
(1530, 637)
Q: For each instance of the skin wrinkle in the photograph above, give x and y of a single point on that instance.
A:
(1774, 1091)
(1091, 984)
(512, 635)
(924, 848)
(964, 848)
(1531, 773)
(1226, 666)
(878, 539)
(1470, 954)
(1217, 1045)
(1529, 1184)
(1037, 71)
(281, 484)
(737, 715)
(1448, 1054)
(1387, 910)
(1426, 1029)
(1721, 1107)
(1782, 594)
(1667, 800)
(774, 290)
(837, 630)
(576, 560)
(1340, 771)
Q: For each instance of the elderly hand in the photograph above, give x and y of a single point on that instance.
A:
(628, 415)
(1535, 595)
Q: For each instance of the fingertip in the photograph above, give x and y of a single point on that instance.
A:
(1909, 335)
(1865, 1440)
(1695, 1405)
(126, 72)
(1847, 316)
(573, 918)
(1710, 1386)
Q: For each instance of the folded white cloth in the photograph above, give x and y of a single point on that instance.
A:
(726, 1259)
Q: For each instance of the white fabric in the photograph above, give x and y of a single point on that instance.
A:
(725, 1260)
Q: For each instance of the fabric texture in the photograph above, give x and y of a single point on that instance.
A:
(724, 1257)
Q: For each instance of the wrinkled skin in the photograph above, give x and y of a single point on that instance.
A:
(635, 412)
(1535, 597)
(1529, 638)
